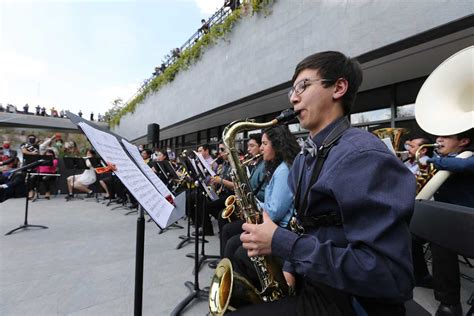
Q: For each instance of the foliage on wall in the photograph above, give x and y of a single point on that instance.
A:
(192, 54)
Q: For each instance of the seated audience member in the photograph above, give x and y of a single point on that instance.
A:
(46, 180)
(8, 157)
(82, 181)
(12, 184)
(457, 189)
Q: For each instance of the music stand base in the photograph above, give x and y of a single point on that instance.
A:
(202, 259)
(195, 294)
(174, 225)
(25, 227)
(185, 240)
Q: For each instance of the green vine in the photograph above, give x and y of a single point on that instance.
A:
(192, 54)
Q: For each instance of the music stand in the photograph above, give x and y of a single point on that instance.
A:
(28, 168)
(201, 190)
(167, 174)
(75, 163)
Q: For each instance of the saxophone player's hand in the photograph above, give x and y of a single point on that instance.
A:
(257, 238)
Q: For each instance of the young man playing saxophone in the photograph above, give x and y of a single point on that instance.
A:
(352, 249)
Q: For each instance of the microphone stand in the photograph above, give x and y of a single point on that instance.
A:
(28, 168)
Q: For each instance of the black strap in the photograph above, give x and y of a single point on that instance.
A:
(323, 152)
(331, 219)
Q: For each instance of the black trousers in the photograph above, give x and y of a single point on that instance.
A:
(312, 298)
(419, 264)
(446, 275)
(229, 230)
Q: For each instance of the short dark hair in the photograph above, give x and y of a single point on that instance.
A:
(257, 137)
(205, 147)
(467, 134)
(148, 152)
(425, 141)
(334, 65)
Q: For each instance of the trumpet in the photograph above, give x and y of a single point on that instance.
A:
(246, 162)
(426, 172)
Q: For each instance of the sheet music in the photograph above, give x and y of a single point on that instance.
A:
(205, 164)
(146, 194)
(159, 185)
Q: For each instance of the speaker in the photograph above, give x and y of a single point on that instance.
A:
(153, 135)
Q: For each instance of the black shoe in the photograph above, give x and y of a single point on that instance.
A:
(90, 194)
(426, 282)
(449, 310)
(69, 197)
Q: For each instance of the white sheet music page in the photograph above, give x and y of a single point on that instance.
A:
(146, 194)
(159, 185)
(205, 164)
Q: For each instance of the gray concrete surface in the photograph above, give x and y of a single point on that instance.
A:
(84, 263)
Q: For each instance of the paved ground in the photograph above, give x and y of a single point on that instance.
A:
(84, 263)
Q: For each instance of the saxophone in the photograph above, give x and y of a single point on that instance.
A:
(228, 289)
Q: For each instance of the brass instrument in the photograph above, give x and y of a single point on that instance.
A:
(246, 162)
(394, 134)
(230, 207)
(228, 289)
(425, 172)
(444, 106)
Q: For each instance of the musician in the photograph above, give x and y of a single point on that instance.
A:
(30, 147)
(457, 189)
(46, 180)
(230, 239)
(279, 149)
(420, 268)
(224, 185)
(82, 181)
(352, 249)
(412, 146)
(205, 151)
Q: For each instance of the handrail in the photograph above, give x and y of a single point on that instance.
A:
(218, 17)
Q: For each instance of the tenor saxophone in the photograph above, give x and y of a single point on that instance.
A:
(228, 289)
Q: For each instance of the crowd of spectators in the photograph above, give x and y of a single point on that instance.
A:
(42, 111)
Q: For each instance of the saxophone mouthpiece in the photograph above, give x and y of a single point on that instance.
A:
(287, 115)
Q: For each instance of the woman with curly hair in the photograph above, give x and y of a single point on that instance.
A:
(279, 148)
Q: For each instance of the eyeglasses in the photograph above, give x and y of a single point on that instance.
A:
(303, 84)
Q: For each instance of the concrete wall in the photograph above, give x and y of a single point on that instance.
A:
(262, 51)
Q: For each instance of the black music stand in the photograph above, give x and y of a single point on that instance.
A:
(167, 174)
(200, 191)
(28, 169)
(76, 164)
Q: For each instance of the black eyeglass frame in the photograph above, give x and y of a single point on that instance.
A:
(301, 86)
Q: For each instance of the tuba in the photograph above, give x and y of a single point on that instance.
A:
(228, 289)
(393, 134)
(444, 106)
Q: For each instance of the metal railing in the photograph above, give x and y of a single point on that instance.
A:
(217, 18)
